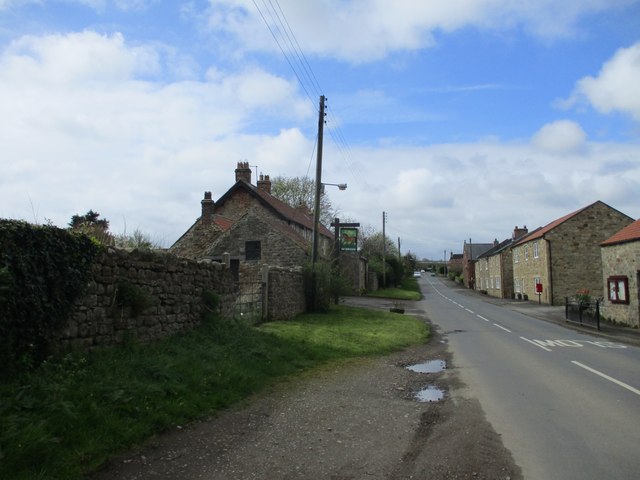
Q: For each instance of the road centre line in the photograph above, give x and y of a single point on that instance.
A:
(503, 328)
(607, 377)
(470, 311)
(536, 344)
(481, 317)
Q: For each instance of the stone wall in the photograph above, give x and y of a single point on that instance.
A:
(168, 293)
(285, 293)
(622, 260)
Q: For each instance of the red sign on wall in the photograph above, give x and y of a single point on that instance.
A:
(538, 288)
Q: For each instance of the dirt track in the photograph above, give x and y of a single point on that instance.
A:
(360, 421)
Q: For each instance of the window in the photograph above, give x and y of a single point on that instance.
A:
(535, 250)
(526, 253)
(498, 283)
(516, 255)
(252, 250)
(618, 288)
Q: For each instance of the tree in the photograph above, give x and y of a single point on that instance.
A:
(91, 225)
(296, 191)
(137, 240)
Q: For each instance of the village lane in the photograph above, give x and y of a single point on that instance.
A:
(565, 402)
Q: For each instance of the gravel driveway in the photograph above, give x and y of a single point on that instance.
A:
(356, 421)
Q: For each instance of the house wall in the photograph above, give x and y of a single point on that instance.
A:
(527, 267)
(576, 261)
(172, 286)
(276, 247)
(622, 260)
(482, 275)
(506, 272)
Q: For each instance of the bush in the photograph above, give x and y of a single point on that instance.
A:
(44, 270)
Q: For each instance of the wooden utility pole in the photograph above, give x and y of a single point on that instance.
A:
(316, 208)
(384, 251)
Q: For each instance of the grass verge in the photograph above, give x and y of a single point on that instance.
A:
(409, 290)
(70, 415)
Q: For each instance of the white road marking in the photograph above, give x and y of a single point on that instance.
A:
(500, 326)
(470, 311)
(607, 377)
(536, 344)
(485, 319)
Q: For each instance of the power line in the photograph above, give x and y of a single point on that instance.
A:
(289, 46)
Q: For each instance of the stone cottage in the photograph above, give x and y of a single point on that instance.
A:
(470, 253)
(564, 256)
(253, 227)
(621, 276)
(494, 268)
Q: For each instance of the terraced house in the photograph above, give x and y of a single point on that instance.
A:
(564, 256)
(494, 268)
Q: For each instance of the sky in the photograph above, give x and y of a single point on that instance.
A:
(460, 119)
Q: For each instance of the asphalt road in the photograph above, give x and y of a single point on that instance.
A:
(566, 403)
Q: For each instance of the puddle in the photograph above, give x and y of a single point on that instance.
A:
(430, 394)
(432, 366)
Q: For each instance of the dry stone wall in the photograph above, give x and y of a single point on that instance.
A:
(146, 296)
(285, 293)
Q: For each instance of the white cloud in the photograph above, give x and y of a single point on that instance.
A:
(99, 132)
(616, 87)
(359, 31)
(561, 137)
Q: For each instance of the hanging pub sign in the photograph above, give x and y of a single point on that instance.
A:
(348, 239)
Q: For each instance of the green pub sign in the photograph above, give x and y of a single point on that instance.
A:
(348, 239)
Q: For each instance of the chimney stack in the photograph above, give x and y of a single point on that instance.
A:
(519, 232)
(243, 172)
(264, 183)
(208, 208)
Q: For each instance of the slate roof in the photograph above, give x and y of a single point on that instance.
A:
(630, 233)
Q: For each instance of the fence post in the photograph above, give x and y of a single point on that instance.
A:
(598, 314)
(566, 308)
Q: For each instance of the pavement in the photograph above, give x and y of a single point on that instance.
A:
(548, 313)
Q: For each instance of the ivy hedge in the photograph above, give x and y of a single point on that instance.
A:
(43, 270)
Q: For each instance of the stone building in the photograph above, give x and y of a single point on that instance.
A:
(253, 227)
(470, 253)
(621, 276)
(494, 268)
(454, 265)
(564, 256)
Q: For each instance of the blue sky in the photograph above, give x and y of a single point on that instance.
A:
(460, 119)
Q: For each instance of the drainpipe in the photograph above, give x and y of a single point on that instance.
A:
(549, 273)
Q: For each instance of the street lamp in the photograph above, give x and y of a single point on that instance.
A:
(341, 186)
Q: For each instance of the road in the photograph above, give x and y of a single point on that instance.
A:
(567, 404)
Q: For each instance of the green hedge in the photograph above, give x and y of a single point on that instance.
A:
(43, 270)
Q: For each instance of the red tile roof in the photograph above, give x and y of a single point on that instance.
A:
(629, 233)
(540, 232)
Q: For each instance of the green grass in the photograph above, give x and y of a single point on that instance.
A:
(409, 290)
(70, 415)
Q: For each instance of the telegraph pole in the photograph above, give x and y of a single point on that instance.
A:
(316, 208)
(384, 251)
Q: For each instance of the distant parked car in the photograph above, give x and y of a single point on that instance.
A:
(417, 274)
